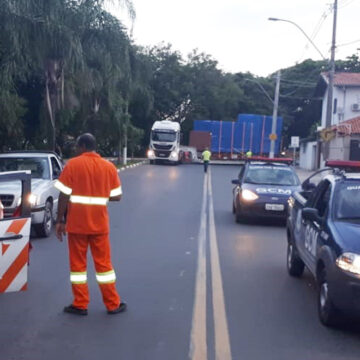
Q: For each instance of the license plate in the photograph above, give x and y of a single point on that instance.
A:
(162, 155)
(274, 207)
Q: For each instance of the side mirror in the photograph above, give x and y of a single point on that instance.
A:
(311, 214)
(235, 182)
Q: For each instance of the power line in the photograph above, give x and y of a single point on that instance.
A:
(349, 43)
(298, 82)
(316, 30)
(346, 3)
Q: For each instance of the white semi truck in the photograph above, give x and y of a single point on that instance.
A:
(165, 142)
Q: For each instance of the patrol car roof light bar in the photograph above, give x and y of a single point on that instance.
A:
(348, 166)
(287, 161)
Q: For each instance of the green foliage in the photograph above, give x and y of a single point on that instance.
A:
(69, 66)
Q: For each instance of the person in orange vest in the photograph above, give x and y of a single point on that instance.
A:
(86, 185)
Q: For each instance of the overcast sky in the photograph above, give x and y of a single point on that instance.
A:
(239, 36)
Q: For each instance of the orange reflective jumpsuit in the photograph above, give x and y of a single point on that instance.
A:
(90, 180)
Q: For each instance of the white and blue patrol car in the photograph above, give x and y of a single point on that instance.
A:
(263, 188)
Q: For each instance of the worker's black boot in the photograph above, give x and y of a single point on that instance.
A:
(71, 309)
(122, 307)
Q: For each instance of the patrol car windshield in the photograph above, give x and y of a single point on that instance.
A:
(39, 166)
(271, 175)
(348, 201)
(163, 136)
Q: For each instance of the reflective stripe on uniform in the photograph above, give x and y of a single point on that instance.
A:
(116, 192)
(106, 277)
(88, 200)
(63, 188)
(78, 277)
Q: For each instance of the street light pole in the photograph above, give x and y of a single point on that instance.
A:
(275, 112)
(304, 33)
(325, 149)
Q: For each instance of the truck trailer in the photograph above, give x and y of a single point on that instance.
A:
(232, 139)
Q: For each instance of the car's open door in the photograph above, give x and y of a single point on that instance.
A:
(14, 238)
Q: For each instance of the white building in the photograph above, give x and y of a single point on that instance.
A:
(346, 97)
(344, 134)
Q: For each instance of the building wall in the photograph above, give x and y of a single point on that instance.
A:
(307, 155)
(340, 148)
(345, 98)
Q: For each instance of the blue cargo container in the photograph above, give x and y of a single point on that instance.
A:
(249, 132)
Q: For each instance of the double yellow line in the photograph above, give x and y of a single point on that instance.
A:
(198, 346)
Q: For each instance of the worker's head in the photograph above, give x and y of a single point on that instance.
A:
(85, 143)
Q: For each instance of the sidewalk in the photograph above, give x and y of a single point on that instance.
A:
(303, 174)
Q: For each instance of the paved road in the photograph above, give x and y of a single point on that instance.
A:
(182, 263)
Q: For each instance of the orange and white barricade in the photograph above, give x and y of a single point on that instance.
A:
(14, 239)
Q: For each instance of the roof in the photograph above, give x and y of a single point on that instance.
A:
(344, 79)
(25, 154)
(341, 79)
(348, 127)
(263, 163)
(166, 125)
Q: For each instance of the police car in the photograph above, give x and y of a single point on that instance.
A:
(323, 232)
(263, 188)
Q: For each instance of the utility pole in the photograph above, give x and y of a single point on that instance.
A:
(275, 112)
(329, 107)
(126, 132)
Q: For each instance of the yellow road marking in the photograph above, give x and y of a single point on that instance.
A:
(198, 346)
(222, 341)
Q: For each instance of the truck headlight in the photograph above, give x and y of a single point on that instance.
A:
(248, 195)
(174, 155)
(33, 199)
(349, 262)
(150, 153)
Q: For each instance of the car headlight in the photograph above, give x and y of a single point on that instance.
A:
(248, 195)
(150, 153)
(33, 199)
(349, 262)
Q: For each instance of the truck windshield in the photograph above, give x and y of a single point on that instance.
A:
(271, 175)
(348, 201)
(39, 166)
(164, 136)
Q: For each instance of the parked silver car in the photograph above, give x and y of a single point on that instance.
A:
(45, 168)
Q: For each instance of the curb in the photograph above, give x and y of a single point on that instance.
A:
(133, 165)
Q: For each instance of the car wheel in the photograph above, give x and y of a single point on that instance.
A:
(295, 265)
(328, 314)
(151, 162)
(238, 217)
(44, 229)
(233, 207)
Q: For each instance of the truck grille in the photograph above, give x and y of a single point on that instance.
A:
(164, 154)
(7, 200)
(162, 147)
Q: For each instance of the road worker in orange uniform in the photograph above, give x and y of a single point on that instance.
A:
(86, 185)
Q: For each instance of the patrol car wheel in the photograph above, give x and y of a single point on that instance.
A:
(44, 229)
(328, 314)
(295, 265)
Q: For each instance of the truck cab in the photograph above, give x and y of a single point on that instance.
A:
(165, 142)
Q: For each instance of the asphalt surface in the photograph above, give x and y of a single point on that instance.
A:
(182, 263)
